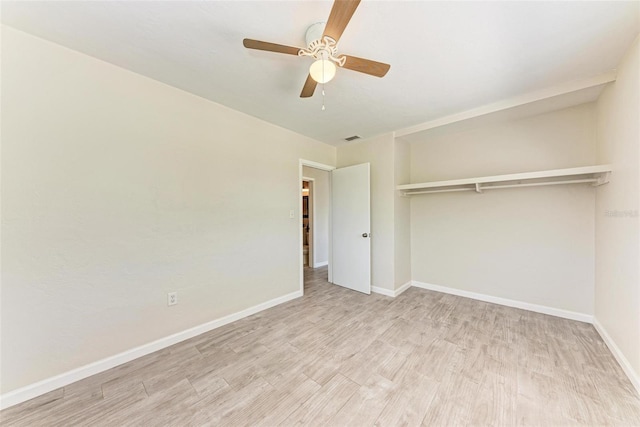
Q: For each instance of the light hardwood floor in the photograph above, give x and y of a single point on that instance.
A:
(336, 357)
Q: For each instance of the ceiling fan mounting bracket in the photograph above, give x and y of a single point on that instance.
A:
(314, 32)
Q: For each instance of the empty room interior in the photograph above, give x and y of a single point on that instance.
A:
(342, 213)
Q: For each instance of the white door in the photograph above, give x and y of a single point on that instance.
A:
(350, 228)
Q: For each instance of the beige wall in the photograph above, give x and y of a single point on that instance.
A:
(379, 153)
(534, 245)
(320, 214)
(402, 215)
(617, 284)
(390, 219)
(117, 189)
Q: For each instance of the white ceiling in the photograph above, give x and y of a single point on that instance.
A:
(445, 57)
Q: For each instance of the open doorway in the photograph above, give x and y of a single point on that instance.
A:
(315, 199)
(315, 217)
(348, 218)
(308, 227)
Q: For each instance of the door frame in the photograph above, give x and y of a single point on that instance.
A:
(327, 168)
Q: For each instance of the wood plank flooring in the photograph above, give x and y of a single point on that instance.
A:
(339, 358)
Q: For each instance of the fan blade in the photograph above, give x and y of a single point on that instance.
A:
(271, 47)
(309, 88)
(367, 66)
(340, 15)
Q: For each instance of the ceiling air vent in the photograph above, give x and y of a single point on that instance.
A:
(352, 138)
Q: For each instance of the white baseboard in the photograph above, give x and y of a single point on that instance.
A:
(383, 291)
(390, 292)
(33, 390)
(582, 317)
(320, 264)
(634, 377)
(403, 288)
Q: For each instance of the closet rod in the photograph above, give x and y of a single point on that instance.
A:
(407, 193)
(480, 188)
(538, 184)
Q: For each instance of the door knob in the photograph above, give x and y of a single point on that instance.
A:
(365, 235)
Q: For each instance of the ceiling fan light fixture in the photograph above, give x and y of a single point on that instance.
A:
(322, 39)
(322, 70)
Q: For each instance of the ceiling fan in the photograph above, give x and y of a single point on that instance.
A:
(321, 46)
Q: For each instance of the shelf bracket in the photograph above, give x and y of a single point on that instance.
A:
(602, 179)
(478, 188)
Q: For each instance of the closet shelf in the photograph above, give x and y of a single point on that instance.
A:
(594, 175)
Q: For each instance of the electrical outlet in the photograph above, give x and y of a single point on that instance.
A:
(172, 298)
(291, 214)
